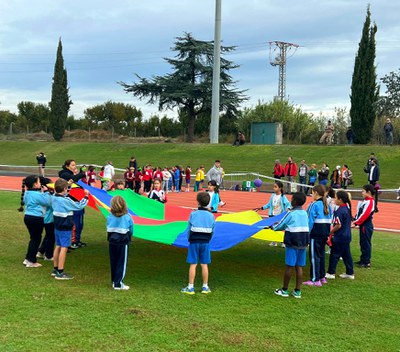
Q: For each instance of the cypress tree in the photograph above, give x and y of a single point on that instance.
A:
(60, 100)
(364, 89)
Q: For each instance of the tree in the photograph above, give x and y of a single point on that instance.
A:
(389, 104)
(36, 115)
(364, 90)
(189, 86)
(298, 126)
(60, 100)
(123, 118)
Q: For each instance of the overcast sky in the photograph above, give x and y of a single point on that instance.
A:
(108, 41)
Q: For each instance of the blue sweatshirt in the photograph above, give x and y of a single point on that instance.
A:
(36, 202)
(319, 222)
(119, 229)
(295, 224)
(201, 226)
(63, 208)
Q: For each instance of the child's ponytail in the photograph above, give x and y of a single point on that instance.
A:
(22, 203)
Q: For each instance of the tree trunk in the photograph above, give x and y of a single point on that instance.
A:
(191, 119)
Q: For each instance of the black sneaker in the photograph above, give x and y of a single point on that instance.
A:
(81, 244)
(365, 266)
(74, 246)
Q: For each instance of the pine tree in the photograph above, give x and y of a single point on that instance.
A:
(189, 86)
(60, 100)
(364, 89)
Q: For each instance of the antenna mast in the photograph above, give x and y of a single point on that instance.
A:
(279, 59)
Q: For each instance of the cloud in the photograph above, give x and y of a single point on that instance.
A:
(107, 42)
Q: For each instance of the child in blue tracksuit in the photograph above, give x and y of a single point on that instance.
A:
(341, 237)
(119, 235)
(35, 203)
(319, 222)
(278, 204)
(201, 227)
(63, 208)
(214, 197)
(295, 224)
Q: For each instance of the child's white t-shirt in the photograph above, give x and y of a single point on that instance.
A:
(211, 197)
(276, 204)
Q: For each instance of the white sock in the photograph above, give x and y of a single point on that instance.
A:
(205, 285)
(190, 285)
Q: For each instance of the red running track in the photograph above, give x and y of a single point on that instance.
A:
(386, 220)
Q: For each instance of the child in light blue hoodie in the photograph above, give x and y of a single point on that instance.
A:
(35, 202)
(63, 208)
(119, 234)
(278, 204)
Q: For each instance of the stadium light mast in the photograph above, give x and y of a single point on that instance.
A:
(214, 126)
(280, 60)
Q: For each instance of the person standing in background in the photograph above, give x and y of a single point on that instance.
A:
(373, 178)
(278, 170)
(303, 171)
(41, 160)
(388, 129)
(290, 173)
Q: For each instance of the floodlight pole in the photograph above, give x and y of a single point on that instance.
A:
(214, 126)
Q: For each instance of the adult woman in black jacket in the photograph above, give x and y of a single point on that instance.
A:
(69, 172)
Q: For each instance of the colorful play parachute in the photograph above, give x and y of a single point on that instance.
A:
(168, 224)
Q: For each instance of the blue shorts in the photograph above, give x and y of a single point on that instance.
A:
(295, 257)
(63, 237)
(199, 252)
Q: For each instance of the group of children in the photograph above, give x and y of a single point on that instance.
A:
(53, 209)
(321, 224)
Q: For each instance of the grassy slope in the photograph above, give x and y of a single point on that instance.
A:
(39, 313)
(246, 158)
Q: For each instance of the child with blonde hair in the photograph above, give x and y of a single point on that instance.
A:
(119, 234)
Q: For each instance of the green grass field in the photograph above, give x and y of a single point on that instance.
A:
(39, 313)
(253, 158)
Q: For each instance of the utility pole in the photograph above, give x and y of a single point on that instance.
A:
(279, 59)
(214, 126)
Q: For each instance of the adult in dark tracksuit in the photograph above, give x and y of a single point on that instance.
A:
(364, 221)
(119, 233)
(373, 178)
(319, 222)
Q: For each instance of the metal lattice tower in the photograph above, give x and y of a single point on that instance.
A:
(279, 59)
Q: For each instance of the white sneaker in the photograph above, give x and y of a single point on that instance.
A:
(48, 259)
(330, 276)
(345, 276)
(283, 245)
(273, 244)
(26, 261)
(40, 255)
(123, 287)
(33, 265)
